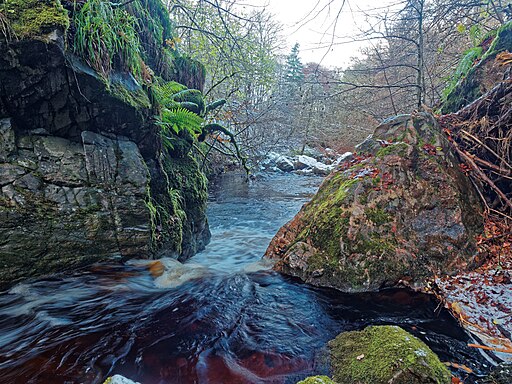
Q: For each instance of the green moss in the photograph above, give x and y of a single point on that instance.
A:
(399, 149)
(31, 18)
(384, 354)
(502, 41)
(467, 62)
(190, 72)
(377, 216)
(136, 98)
(316, 380)
(464, 85)
(188, 195)
(375, 245)
(328, 216)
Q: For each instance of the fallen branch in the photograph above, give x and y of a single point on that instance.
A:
(494, 349)
(483, 176)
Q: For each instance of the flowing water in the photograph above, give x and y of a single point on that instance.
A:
(222, 317)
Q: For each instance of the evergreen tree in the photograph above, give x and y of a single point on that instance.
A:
(294, 70)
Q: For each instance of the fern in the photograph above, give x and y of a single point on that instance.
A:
(164, 93)
(179, 119)
(106, 36)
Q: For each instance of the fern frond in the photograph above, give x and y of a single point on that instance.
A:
(179, 119)
(192, 96)
(165, 93)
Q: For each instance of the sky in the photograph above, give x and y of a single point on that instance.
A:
(311, 24)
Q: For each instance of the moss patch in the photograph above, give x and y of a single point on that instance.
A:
(316, 380)
(187, 194)
(393, 149)
(385, 354)
(136, 98)
(377, 216)
(31, 18)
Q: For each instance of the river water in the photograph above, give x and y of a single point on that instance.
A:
(221, 317)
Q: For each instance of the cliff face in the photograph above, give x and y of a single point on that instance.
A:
(83, 176)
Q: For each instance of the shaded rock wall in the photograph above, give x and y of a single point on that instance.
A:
(82, 177)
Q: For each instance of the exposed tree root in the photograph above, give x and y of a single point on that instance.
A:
(481, 134)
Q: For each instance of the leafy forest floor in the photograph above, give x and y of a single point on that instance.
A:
(482, 299)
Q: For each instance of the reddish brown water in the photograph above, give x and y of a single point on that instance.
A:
(221, 318)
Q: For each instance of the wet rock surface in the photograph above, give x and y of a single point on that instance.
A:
(81, 176)
(401, 213)
(501, 374)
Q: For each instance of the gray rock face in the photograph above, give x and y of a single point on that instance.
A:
(65, 204)
(81, 173)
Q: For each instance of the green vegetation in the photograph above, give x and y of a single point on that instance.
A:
(377, 216)
(106, 37)
(33, 18)
(465, 65)
(501, 42)
(384, 354)
(316, 380)
(464, 85)
(189, 71)
(393, 149)
(137, 98)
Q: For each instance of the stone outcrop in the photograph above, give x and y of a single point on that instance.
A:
(402, 213)
(82, 177)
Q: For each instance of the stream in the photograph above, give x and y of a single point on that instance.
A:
(221, 317)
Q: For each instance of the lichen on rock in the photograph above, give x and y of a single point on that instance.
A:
(402, 213)
(384, 355)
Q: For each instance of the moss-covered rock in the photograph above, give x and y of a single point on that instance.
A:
(384, 355)
(316, 380)
(34, 18)
(477, 71)
(402, 214)
(189, 182)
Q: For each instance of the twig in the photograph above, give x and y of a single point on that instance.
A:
(482, 175)
(485, 146)
(494, 349)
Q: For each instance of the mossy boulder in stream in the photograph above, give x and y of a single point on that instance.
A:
(400, 214)
(384, 355)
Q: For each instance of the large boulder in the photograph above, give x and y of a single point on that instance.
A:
(403, 212)
(384, 355)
